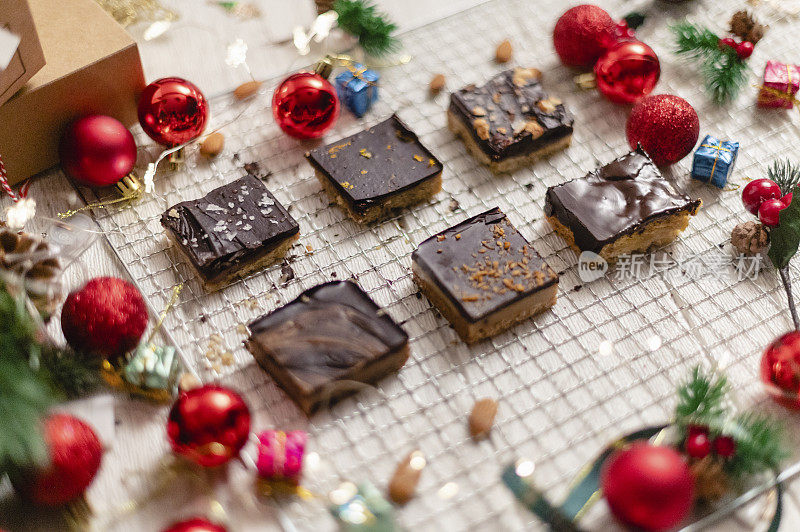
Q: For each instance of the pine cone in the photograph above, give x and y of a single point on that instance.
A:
(744, 26)
(29, 259)
(710, 480)
(750, 238)
(324, 6)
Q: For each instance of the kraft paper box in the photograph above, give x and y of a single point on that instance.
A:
(26, 55)
(92, 66)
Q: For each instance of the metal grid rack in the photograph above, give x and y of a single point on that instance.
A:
(605, 360)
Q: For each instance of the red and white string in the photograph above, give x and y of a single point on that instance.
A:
(23, 191)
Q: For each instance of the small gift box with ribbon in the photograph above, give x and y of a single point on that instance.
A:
(280, 455)
(361, 508)
(357, 88)
(781, 82)
(714, 160)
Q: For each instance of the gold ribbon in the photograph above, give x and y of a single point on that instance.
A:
(716, 158)
(130, 188)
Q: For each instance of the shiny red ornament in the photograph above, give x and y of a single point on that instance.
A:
(97, 150)
(648, 487)
(627, 72)
(698, 444)
(75, 454)
(744, 49)
(583, 34)
(725, 446)
(196, 524)
(209, 425)
(107, 317)
(666, 126)
(305, 105)
(780, 369)
(757, 192)
(172, 111)
(769, 212)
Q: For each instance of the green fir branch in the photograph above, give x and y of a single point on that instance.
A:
(694, 41)
(785, 173)
(760, 445)
(722, 69)
(363, 20)
(73, 374)
(25, 394)
(700, 399)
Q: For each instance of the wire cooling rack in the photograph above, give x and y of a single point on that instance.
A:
(606, 360)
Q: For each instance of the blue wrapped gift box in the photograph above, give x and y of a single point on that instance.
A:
(714, 160)
(357, 88)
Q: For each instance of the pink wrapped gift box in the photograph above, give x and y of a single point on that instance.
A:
(280, 455)
(781, 82)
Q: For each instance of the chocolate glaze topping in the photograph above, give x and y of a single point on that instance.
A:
(329, 332)
(511, 114)
(385, 159)
(483, 264)
(229, 225)
(615, 200)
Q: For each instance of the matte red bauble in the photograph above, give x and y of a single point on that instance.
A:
(583, 34)
(107, 317)
(666, 126)
(172, 111)
(209, 425)
(97, 150)
(75, 454)
(648, 487)
(305, 105)
(197, 524)
(780, 369)
(627, 72)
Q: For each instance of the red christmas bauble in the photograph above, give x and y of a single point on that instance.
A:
(647, 486)
(627, 72)
(780, 369)
(106, 317)
(172, 111)
(197, 524)
(97, 150)
(209, 425)
(583, 34)
(725, 446)
(305, 105)
(757, 192)
(666, 126)
(75, 454)
(698, 442)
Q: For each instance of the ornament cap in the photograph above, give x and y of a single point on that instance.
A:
(324, 67)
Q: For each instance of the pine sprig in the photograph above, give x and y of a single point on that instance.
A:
(785, 173)
(693, 41)
(25, 394)
(700, 399)
(363, 20)
(74, 374)
(724, 72)
(760, 445)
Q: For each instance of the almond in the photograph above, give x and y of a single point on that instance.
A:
(436, 84)
(406, 477)
(187, 382)
(246, 89)
(482, 127)
(503, 52)
(481, 418)
(213, 144)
